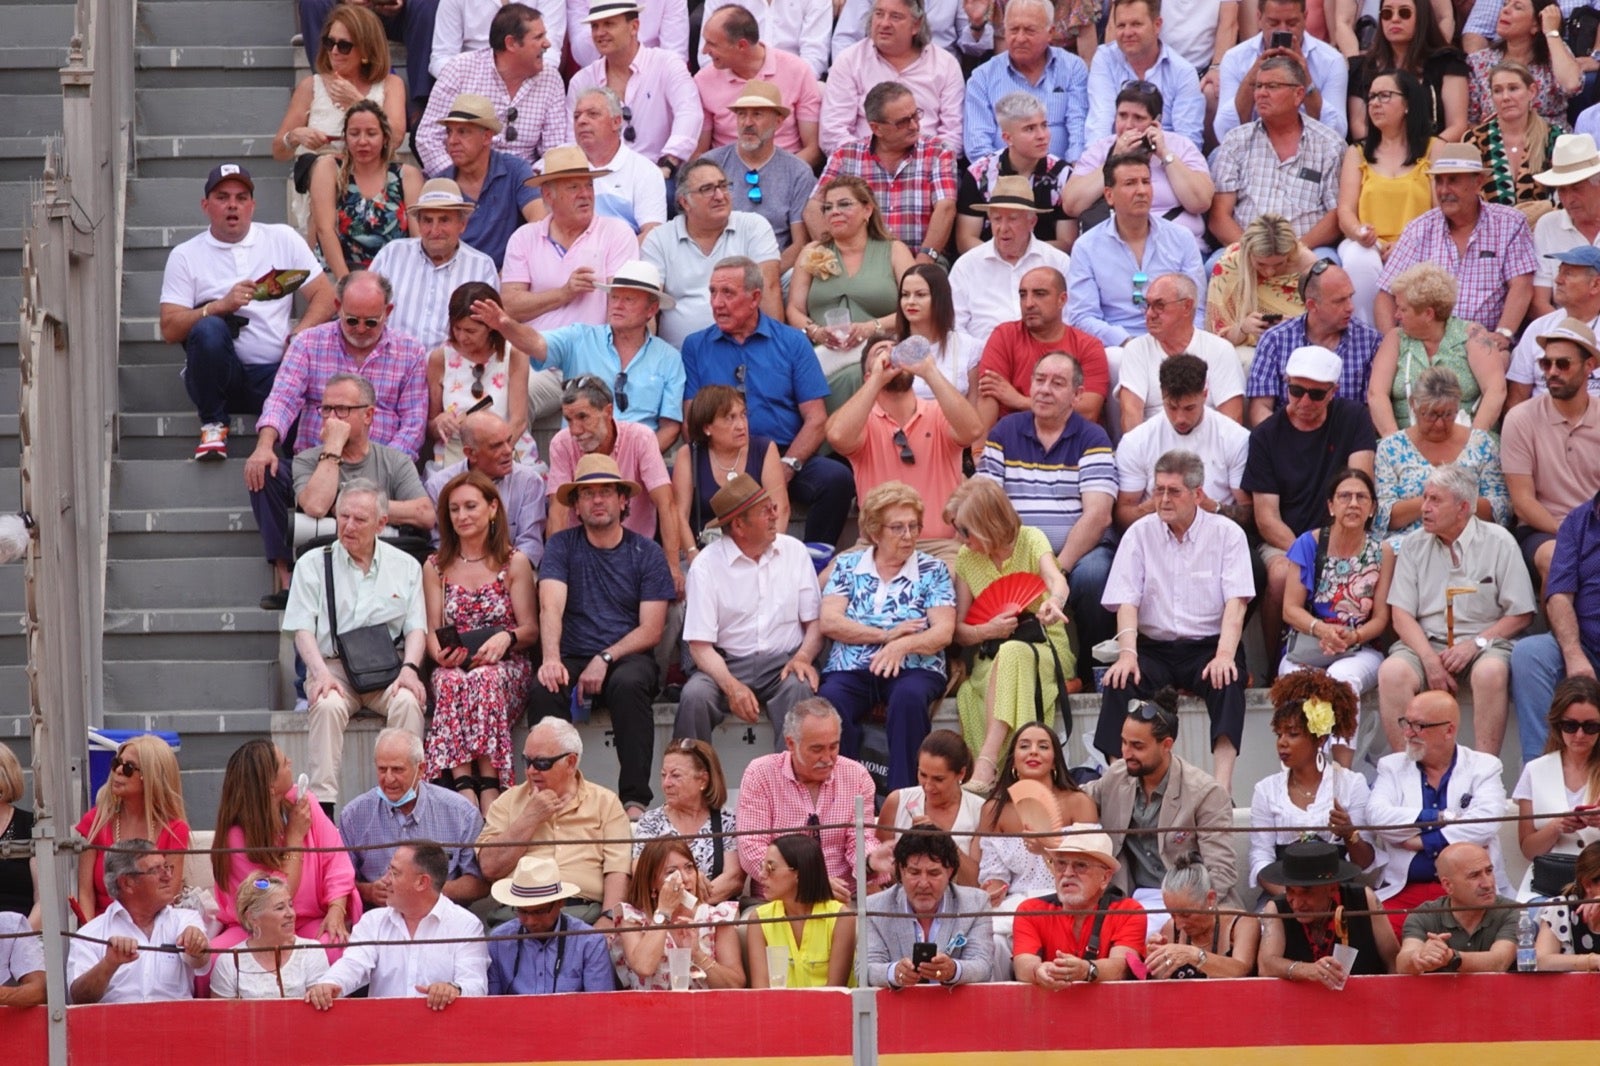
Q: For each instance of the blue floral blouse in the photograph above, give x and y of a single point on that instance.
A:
(1402, 471)
(923, 583)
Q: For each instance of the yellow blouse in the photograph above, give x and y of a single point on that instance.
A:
(808, 960)
(1387, 204)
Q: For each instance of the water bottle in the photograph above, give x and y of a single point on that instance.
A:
(1527, 932)
(910, 352)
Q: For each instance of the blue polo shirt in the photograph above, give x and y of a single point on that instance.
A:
(499, 204)
(1046, 485)
(1100, 280)
(779, 369)
(655, 376)
(1575, 572)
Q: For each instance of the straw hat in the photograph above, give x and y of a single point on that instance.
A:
(735, 498)
(536, 881)
(473, 110)
(567, 161)
(757, 93)
(595, 469)
(1013, 192)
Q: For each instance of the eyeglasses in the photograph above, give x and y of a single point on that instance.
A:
(1159, 307)
(1317, 395)
(1274, 86)
(1077, 866)
(903, 529)
(845, 204)
(752, 179)
(907, 456)
(124, 767)
(508, 129)
(1140, 280)
(477, 380)
(1446, 414)
(619, 390)
(344, 46)
(366, 323)
(1395, 14)
(1383, 96)
(628, 133)
(164, 870)
(1571, 726)
(813, 823)
(712, 187)
(911, 121)
(1562, 363)
(738, 376)
(1351, 497)
(1411, 725)
(543, 763)
(341, 410)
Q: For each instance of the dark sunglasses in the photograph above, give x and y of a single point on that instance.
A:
(124, 767)
(1562, 363)
(812, 824)
(1571, 726)
(619, 391)
(1140, 280)
(752, 178)
(1154, 714)
(477, 380)
(1395, 14)
(627, 125)
(1316, 270)
(907, 456)
(355, 320)
(508, 131)
(344, 47)
(1317, 395)
(543, 763)
(738, 376)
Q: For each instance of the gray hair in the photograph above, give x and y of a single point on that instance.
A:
(1436, 386)
(412, 742)
(609, 95)
(1458, 481)
(1077, 367)
(1018, 106)
(587, 387)
(880, 96)
(752, 270)
(1187, 289)
(1187, 465)
(479, 421)
(815, 707)
(124, 861)
(360, 486)
(1285, 65)
(1043, 7)
(681, 194)
(563, 733)
(356, 276)
(1187, 878)
(920, 37)
(369, 395)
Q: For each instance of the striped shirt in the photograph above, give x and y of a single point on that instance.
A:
(543, 120)
(1500, 249)
(1047, 485)
(397, 367)
(422, 288)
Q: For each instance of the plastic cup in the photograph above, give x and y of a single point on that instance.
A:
(1345, 956)
(777, 966)
(837, 322)
(678, 968)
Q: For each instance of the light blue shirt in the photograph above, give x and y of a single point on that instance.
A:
(1099, 286)
(655, 376)
(1064, 91)
(1330, 75)
(1183, 109)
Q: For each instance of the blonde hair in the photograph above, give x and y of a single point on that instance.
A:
(883, 499)
(1427, 286)
(1267, 236)
(163, 790)
(11, 783)
(250, 897)
(981, 507)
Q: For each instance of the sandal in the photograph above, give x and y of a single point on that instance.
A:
(979, 783)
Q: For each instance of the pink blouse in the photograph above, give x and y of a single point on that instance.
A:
(324, 877)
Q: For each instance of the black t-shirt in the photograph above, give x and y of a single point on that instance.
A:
(16, 881)
(1443, 63)
(1296, 466)
(605, 587)
(1046, 181)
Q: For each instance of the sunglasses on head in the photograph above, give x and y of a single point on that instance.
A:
(1571, 726)
(124, 767)
(1317, 269)
(543, 763)
(508, 129)
(343, 47)
(1153, 713)
(1317, 395)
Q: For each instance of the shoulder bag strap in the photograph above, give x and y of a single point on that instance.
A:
(333, 610)
(1091, 951)
(698, 509)
(716, 843)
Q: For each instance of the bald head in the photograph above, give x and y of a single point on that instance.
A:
(1466, 873)
(1434, 706)
(488, 445)
(1458, 858)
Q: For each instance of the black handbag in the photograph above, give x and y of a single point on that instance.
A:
(1553, 873)
(1031, 631)
(302, 171)
(371, 658)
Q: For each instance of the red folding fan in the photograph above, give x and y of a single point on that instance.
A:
(1013, 592)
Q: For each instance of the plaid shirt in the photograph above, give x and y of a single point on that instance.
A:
(397, 367)
(1356, 348)
(771, 797)
(1500, 249)
(1302, 188)
(543, 119)
(906, 197)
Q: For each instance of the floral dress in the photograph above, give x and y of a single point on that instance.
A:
(1402, 472)
(703, 935)
(1278, 295)
(460, 375)
(365, 225)
(1549, 99)
(473, 709)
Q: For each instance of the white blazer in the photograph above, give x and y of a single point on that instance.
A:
(1476, 791)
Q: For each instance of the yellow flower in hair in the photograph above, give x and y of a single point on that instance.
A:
(1319, 716)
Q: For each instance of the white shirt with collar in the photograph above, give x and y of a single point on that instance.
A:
(395, 973)
(744, 605)
(203, 268)
(152, 975)
(389, 593)
(985, 286)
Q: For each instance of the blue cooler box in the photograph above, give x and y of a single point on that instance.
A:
(103, 745)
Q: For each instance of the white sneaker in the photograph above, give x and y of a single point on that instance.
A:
(213, 444)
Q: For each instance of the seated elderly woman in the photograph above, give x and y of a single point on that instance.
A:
(927, 906)
(694, 796)
(1256, 283)
(1436, 437)
(1313, 796)
(1516, 143)
(1569, 929)
(668, 889)
(1022, 658)
(279, 964)
(1427, 333)
(1337, 604)
(890, 611)
(1565, 778)
(1198, 941)
(817, 942)
(1300, 929)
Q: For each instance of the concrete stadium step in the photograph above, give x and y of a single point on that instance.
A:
(221, 586)
(150, 59)
(157, 486)
(174, 203)
(170, 436)
(153, 686)
(152, 387)
(195, 111)
(215, 23)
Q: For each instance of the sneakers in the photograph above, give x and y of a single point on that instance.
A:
(213, 444)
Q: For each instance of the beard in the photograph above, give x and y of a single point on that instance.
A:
(901, 382)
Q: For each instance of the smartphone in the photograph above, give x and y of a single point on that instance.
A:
(923, 952)
(448, 636)
(1272, 320)
(1281, 39)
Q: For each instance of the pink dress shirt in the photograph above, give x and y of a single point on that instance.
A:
(934, 79)
(661, 94)
(797, 87)
(638, 456)
(536, 261)
(662, 24)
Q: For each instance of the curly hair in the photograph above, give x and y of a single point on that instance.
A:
(1289, 693)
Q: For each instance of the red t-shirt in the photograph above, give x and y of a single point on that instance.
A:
(1038, 932)
(174, 837)
(1013, 352)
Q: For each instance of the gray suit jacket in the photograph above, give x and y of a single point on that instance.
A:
(1193, 798)
(891, 932)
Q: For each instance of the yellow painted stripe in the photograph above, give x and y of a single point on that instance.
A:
(1546, 1053)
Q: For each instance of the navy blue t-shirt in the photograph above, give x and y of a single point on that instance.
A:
(604, 587)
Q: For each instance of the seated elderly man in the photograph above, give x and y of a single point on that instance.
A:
(986, 280)
(142, 883)
(1024, 127)
(1030, 64)
(1150, 788)
(777, 182)
(373, 584)
(348, 453)
(736, 64)
(1472, 929)
(888, 433)
(1184, 422)
(417, 911)
(427, 268)
(1014, 350)
(899, 47)
(494, 182)
(402, 806)
(1431, 793)
(808, 782)
(633, 189)
(1055, 950)
(1180, 585)
(1300, 928)
(1460, 593)
(914, 911)
(490, 449)
(1169, 310)
(750, 618)
(21, 962)
(1329, 322)
(528, 954)
(556, 802)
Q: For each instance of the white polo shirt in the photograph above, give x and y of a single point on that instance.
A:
(1140, 371)
(153, 975)
(203, 268)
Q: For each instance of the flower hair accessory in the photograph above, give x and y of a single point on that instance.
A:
(1319, 716)
(821, 262)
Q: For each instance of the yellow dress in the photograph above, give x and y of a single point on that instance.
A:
(1018, 663)
(808, 960)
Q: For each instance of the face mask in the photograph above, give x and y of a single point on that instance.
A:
(410, 794)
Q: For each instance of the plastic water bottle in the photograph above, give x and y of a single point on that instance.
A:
(1527, 932)
(910, 352)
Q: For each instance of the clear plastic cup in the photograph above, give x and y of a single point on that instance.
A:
(1345, 956)
(678, 968)
(777, 966)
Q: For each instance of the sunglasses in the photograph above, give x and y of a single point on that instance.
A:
(1562, 363)
(628, 133)
(738, 376)
(344, 47)
(124, 767)
(752, 178)
(813, 823)
(619, 391)
(1140, 86)
(508, 130)
(1316, 270)
(262, 883)
(1145, 711)
(1572, 726)
(367, 323)
(1317, 395)
(477, 380)
(543, 763)
(1140, 280)
(341, 410)
(1395, 14)
(164, 870)
(907, 456)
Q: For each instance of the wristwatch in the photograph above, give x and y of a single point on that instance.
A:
(660, 917)
(1167, 159)
(1093, 975)
(936, 255)
(1506, 332)
(1482, 643)
(605, 657)
(792, 463)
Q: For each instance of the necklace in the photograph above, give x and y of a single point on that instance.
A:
(470, 559)
(1305, 793)
(729, 471)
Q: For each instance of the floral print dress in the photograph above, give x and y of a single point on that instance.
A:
(494, 378)
(474, 708)
(367, 225)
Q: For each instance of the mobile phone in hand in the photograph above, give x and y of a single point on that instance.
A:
(448, 637)
(1281, 39)
(923, 952)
